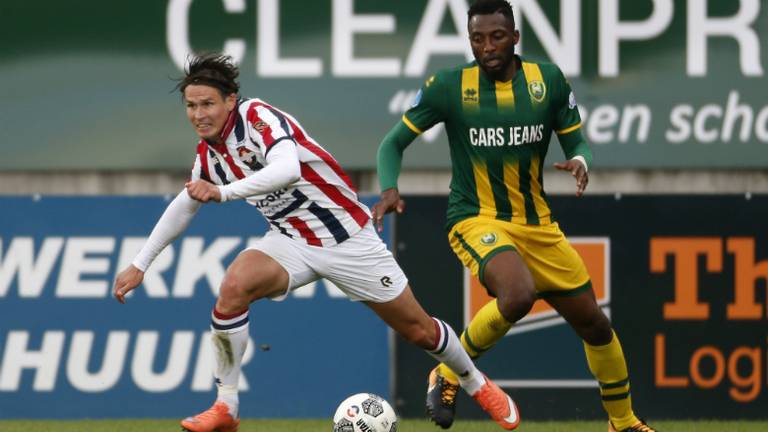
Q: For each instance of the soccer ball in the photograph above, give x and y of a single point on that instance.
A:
(364, 412)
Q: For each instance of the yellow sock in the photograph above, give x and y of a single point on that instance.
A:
(610, 369)
(486, 328)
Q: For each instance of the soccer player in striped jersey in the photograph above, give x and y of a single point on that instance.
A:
(499, 113)
(251, 150)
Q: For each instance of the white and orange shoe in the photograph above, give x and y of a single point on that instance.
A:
(215, 419)
(498, 404)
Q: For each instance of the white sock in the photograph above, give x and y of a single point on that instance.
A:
(230, 337)
(449, 351)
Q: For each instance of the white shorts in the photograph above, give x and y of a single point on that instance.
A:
(361, 266)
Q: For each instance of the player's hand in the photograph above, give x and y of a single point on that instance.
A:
(203, 191)
(577, 170)
(389, 201)
(126, 281)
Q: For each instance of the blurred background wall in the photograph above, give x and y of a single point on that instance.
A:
(672, 91)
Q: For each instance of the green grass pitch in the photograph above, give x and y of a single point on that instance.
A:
(403, 426)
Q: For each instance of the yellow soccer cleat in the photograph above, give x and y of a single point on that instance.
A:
(441, 399)
(640, 426)
(215, 419)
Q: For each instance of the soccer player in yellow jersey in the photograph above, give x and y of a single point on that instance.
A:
(499, 113)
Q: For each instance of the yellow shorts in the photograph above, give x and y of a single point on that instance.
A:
(556, 267)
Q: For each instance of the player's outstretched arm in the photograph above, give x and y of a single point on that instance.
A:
(578, 170)
(389, 159)
(171, 224)
(126, 281)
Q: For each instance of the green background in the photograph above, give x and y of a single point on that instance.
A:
(86, 84)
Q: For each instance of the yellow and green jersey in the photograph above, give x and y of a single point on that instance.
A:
(499, 134)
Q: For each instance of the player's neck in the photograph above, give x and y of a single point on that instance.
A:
(509, 73)
(514, 66)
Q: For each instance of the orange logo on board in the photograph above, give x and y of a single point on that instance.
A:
(594, 251)
(718, 362)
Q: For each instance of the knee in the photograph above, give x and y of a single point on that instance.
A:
(515, 300)
(235, 294)
(231, 287)
(515, 292)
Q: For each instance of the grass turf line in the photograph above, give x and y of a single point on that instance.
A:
(403, 426)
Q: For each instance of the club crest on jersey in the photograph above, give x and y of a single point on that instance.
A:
(249, 158)
(538, 90)
(260, 126)
(488, 239)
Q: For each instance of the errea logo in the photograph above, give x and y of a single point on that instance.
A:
(470, 95)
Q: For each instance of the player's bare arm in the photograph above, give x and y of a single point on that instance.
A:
(578, 170)
(126, 281)
(388, 202)
(203, 191)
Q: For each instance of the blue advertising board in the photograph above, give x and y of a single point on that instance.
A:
(68, 346)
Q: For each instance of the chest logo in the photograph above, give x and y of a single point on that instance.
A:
(260, 126)
(488, 239)
(249, 158)
(538, 90)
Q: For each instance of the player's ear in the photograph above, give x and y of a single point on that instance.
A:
(230, 101)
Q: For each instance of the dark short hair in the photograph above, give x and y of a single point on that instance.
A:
(488, 7)
(215, 70)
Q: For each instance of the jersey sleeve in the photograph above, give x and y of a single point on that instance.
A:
(197, 169)
(428, 107)
(267, 126)
(171, 224)
(567, 118)
(567, 124)
(200, 165)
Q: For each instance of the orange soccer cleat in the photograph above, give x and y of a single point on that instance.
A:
(498, 404)
(215, 419)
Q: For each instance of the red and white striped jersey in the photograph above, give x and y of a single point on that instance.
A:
(320, 208)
